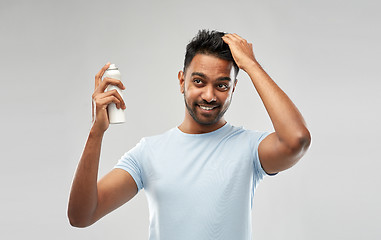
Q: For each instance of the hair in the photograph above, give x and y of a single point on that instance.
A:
(210, 43)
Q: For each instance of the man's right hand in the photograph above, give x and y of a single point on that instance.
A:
(89, 199)
(102, 99)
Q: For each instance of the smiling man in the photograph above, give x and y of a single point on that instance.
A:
(199, 177)
(207, 87)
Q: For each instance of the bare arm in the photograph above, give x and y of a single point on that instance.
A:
(291, 139)
(90, 200)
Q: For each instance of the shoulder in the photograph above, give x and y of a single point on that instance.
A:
(241, 132)
(158, 139)
(147, 145)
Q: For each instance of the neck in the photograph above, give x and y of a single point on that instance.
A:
(189, 125)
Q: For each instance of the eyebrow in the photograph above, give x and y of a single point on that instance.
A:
(198, 74)
(204, 76)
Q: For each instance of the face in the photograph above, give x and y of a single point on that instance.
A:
(207, 84)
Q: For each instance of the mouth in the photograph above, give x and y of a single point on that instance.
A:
(207, 108)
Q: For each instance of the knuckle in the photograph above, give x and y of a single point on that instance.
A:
(97, 103)
(116, 100)
(94, 95)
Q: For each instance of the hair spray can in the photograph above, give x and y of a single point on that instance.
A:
(115, 115)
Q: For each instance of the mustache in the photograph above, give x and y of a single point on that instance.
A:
(208, 104)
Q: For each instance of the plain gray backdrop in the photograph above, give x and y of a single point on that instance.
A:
(324, 54)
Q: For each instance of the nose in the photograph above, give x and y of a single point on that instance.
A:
(208, 94)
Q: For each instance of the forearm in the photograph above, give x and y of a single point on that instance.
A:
(84, 194)
(288, 123)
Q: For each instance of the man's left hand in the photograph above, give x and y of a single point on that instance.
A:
(241, 50)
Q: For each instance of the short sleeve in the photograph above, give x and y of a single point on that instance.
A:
(130, 162)
(259, 173)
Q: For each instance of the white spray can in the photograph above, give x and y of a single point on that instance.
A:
(115, 115)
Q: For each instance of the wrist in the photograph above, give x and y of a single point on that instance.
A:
(252, 65)
(254, 68)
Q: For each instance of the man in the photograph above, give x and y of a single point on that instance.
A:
(199, 177)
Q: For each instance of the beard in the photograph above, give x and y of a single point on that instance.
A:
(206, 119)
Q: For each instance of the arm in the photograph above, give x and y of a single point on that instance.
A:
(291, 139)
(90, 200)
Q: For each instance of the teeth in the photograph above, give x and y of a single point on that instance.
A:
(206, 108)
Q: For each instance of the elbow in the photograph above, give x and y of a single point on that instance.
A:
(78, 222)
(301, 142)
(305, 139)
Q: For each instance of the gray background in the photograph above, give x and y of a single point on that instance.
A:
(323, 54)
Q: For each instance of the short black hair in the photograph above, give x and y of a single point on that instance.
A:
(211, 43)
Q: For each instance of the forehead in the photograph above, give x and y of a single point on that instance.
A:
(210, 65)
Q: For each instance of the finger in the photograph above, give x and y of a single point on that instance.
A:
(99, 75)
(114, 99)
(114, 93)
(115, 82)
(230, 36)
(226, 36)
(227, 39)
(238, 37)
(231, 39)
(104, 102)
(110, 81)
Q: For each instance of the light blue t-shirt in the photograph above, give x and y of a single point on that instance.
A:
(198, 186)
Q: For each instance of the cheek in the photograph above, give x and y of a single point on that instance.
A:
(192, 92)
(189, 96)
(225, 97)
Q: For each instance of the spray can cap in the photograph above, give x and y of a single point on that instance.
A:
(112, 67)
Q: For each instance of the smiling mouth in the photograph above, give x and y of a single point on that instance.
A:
(207, 108)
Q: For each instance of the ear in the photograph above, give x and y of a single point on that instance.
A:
(180, 76)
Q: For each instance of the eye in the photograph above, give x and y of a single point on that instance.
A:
(197, 81)
(223, 86)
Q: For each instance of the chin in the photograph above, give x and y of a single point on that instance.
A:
(208, 121)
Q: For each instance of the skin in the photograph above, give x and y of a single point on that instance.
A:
(283, 148)
(202, 85)
(208, 82)
(91, 199)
